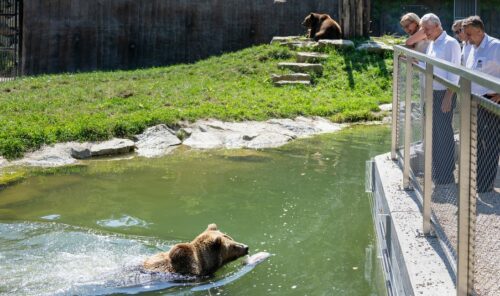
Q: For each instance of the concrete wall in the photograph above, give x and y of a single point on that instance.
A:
(84, 35)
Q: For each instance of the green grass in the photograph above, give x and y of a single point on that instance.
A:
(234, 86)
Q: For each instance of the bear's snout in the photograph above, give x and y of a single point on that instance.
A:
(242, 248)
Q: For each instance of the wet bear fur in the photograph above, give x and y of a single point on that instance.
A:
(322, 26)
(203, 256)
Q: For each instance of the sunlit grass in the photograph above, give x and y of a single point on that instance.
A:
(233, 87)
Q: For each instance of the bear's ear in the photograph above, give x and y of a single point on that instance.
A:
(217, 243)
(212, 226)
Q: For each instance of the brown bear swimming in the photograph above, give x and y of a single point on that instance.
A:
(203, 256)
(322, 26)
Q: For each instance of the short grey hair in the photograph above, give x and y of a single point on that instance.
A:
(431, 18)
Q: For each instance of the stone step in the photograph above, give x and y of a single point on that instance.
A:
(297, 44)
(288, 82)
(374, 47)
(301, 67)
(291, 77)
(310, 57)
(335, 43)
(285, 39)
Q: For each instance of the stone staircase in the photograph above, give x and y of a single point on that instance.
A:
(310, 62)
(307, 63)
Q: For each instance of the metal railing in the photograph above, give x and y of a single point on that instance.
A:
(450, 157)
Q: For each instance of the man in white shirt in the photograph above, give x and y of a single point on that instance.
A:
(447, 48)
(485, 57)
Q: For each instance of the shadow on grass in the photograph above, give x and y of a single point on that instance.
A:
(360, 61)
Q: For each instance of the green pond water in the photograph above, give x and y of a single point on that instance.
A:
(81, 230)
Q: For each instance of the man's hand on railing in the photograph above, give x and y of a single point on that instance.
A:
(446, 104)
(493, 97)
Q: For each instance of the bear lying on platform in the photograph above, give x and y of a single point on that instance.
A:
(322, 26)
(203, 256)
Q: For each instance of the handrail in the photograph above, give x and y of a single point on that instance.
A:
(468, 102)
(483, 79)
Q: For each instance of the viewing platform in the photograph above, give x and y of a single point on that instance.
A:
(435, 203)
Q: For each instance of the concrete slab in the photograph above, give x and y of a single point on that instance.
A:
(310, 57)
(291, 82)
(414, 263)
(301, 67)
(291, 77)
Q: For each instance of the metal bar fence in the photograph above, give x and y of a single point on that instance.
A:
(451, 158)
(10, 38)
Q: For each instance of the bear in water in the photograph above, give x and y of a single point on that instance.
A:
(203, 256)
(322, 26)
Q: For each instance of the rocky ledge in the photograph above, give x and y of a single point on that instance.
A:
(203, 134)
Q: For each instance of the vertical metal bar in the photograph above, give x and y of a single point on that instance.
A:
(463, 287)
(20, 38)
(395, 76)
(428, 101)
(473, 194)
(407, 142)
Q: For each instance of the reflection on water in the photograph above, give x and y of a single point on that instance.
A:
(88, 229)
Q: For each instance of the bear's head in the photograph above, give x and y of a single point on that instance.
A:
(215, 248)
(311, 20)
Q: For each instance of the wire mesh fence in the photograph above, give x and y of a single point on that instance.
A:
(445, 168)
(485, 196)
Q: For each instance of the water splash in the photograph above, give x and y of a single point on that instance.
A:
(51, 258)
(124, 221)
(56, 259)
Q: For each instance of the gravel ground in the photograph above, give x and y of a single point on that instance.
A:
(487, 242)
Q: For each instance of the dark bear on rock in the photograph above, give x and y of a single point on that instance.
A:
(203, 256)
(322, 26)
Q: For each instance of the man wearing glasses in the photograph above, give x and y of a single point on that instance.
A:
(484, 57)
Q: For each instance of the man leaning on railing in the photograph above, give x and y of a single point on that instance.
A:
(484, 57)
(444, 47)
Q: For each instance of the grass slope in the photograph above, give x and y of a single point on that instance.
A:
(234, 86)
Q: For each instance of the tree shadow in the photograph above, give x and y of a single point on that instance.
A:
(360, 61)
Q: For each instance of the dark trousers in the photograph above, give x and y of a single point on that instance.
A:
(443, 143)
(488, 149)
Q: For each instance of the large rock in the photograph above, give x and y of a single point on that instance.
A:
(112, 147)
(335, 43)
(385, 107)
(374, 47)
(156, 141)
(269, 140)
(305, 127)
(301, 67)
(3, 162)
(207, 134)
(50, 156)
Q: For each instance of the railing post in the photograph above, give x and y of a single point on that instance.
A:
(407, 142)
(395, 111)
(463, 286)
(428, 102)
